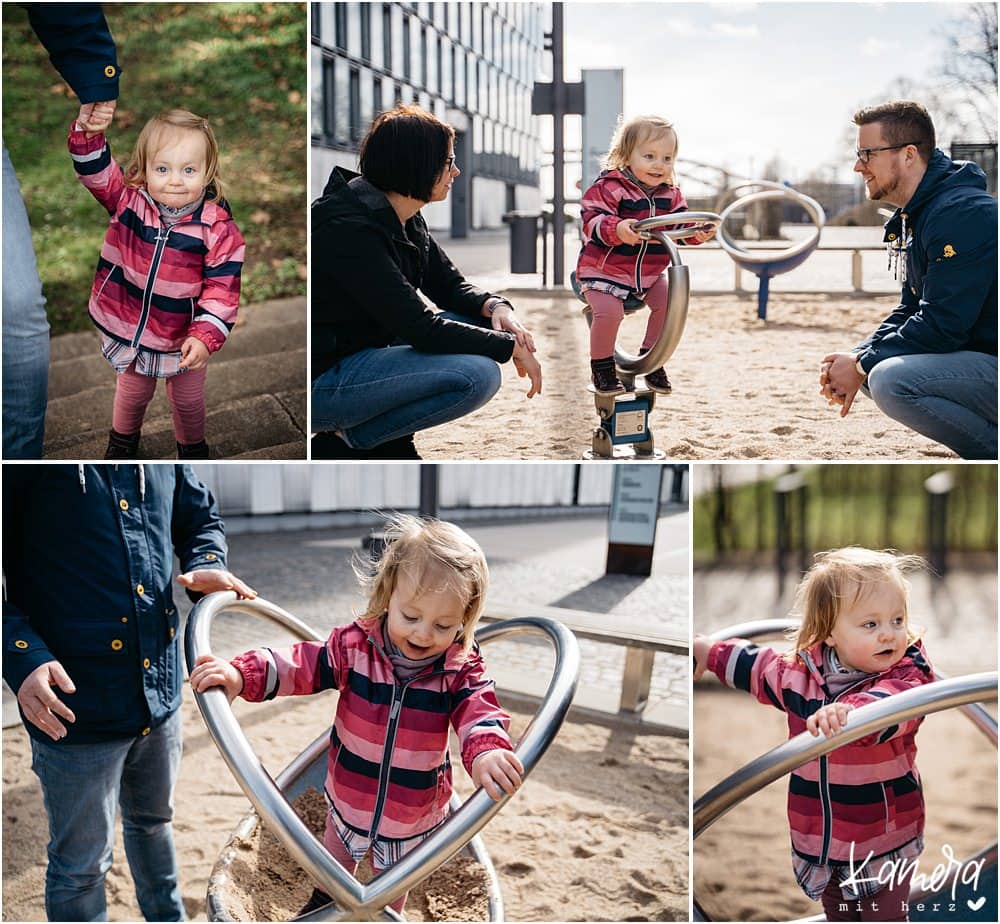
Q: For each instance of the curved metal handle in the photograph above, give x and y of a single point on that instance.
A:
(691, 221)
(274, 809)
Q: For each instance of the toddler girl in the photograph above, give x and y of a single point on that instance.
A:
(404, 670)
(615, 262)
(854, 647)
(168, 279)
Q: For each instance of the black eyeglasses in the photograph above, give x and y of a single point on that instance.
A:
(864, 154)
(450, 162)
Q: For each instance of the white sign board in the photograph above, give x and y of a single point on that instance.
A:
(635, 503)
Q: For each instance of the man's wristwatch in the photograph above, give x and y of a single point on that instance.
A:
(860, 368)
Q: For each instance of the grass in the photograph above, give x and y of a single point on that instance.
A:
(241, 65)
(879, 506)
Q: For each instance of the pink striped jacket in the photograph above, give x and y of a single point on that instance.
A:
(869, 792)
(614, 197)
(156, 286)
(389, 772)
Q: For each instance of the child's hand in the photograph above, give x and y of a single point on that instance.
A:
(626, 231)
(699, 650)
(95, 118)
(194, 354)
(704, 233)
(498, 772)
(828, 719)
(211, 580)
(210, 671)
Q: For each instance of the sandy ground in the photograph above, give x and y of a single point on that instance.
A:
(743, 388)
(598, 832)
(957, 763)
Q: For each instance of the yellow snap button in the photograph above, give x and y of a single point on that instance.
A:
(123, 504)
(171, 631)
(139, 589)
(124, 618)
(116, 644)
(20, 643)
(145, 731)
(211, 556)
(110, 71)
(145, 663)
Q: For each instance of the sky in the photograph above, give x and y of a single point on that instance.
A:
(745, 82)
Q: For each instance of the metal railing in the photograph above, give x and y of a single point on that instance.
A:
(354, 900)
(959, 692)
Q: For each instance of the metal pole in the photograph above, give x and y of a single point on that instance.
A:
(428, 490)
(558, 148)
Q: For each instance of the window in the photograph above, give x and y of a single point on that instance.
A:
(340, 25)
(355, 104)
(342, 101)
(366, 32)
(314, 19)
(406, 48)
(424, 63)
(316, 126)
(387, 36)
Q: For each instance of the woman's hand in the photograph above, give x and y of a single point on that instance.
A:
(626, 231)
(194, 354)
(503, 319)
(210, 671)
(527, 365)
(498, 772)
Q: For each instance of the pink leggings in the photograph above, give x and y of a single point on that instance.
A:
(609, 311)
(333, 843)
(186, 393)
(887, 905)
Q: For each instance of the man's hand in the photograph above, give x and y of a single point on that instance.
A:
(840, 380)
(498, 772)
(527, 365)
(95, 118)
(194, 354)
(40, 705)
(210, 580)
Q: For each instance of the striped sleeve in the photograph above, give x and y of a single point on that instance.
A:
(759, 671)
(476, 716)
(95, 168)
(599, 214)
(215, 312)
(297, 670)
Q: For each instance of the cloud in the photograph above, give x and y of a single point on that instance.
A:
(730, 30)
(875, 47)
(681, 27)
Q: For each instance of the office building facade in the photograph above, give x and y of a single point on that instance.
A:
(471, 64)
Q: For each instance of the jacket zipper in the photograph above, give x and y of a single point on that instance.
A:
(390, 743)
(147, 294)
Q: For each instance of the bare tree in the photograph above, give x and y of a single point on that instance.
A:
(970, 67)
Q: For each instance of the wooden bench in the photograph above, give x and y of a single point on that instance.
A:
(640, 645)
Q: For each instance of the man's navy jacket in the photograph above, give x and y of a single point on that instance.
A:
(88, 558)
(949, 301)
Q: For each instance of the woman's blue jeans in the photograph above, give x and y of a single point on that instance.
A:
(379, 394)
(949, 397)
(25, 330)
(83, 785)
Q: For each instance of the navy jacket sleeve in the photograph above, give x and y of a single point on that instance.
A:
(197, 530)
(80, 46)
(23, 648)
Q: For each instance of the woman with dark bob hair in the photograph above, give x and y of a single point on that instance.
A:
(384, 364)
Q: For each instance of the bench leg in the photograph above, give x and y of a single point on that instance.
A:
(636, 678)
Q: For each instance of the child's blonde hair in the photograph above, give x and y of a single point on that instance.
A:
(151, 140)
(629, 135)
(435, 555)
(838, 579)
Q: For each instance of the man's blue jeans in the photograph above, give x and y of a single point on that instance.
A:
(949, 397)
(83, 785)
(25, 330)
(379, 394)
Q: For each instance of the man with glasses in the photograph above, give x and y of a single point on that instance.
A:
(932, 363)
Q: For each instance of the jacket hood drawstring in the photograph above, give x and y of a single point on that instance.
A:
(82, 476)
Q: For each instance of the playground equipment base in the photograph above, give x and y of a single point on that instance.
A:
(624, 431)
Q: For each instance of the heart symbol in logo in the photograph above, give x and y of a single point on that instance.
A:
(977, 904)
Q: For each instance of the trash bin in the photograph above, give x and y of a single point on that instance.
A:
(523, 241)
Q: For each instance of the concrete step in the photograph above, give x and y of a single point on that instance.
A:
(256, 393)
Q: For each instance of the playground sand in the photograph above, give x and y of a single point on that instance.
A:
(743, 388)
(598, 832)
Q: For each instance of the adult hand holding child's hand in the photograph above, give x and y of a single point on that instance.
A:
(498, 772)
(40, 705)
(194, 354)
(95, 118)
